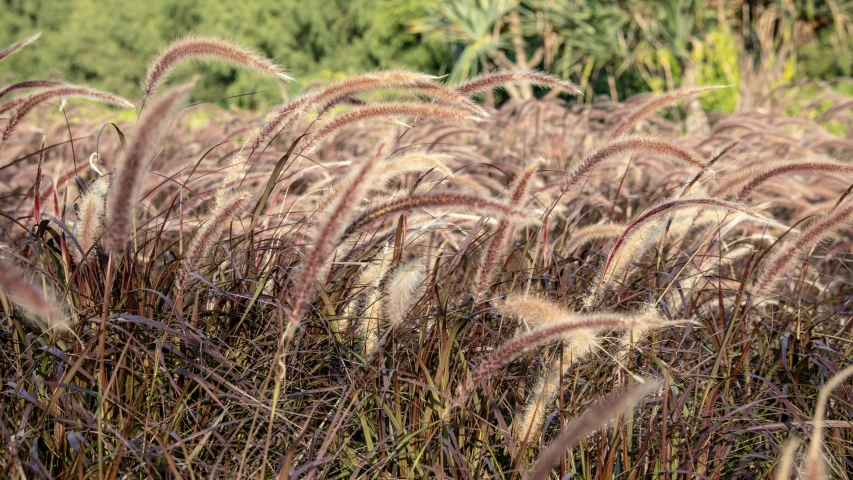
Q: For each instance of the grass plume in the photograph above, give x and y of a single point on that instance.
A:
(327, 96)
(421, 111)
(21, 292)
(434, 200)
(747, 180)
(511, 349)
(595, 418)
(622, 145)
(786, 257)
(491, 80)
(30, 84)
(89, 227)
(18, 45)
(27, 103)
(206, 48)
(637, 233)
(124, 191)
(327, 233)
(656, 104)
(814, 468)
(206, 237)
(402, 288)
(498, 245)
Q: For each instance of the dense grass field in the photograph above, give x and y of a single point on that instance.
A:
(389, 277)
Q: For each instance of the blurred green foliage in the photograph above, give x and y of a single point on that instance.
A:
(108, 44)
(622, 47)
(611, 47)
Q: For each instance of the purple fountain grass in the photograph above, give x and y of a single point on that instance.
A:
(30, 298)
(715, 157)
(197, 47)
(59, 183)
(654, 214)
(593, 419)
(786, 459)
(13, 103)
(531, 418)
(630, 144)
(125, 188)
(496, 79)
(367, 321)
(327, 233)
(434, 200)
(790, 253)
(750, 178)
(814, 468)
(89, 227)
(403, 287)
(498, 245)
(514, 347)
(655, 104)
(421, 111)
(30, 84)
(593, 233)
(331, 94)
(539, 312)
(32, 100)
(206, 237)
(535, 309)
(414, 162)
(18, 45)
(447, 95)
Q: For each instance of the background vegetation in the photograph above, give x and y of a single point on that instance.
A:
(108, 44)
(612, 47)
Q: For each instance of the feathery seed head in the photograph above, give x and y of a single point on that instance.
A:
(402, 289)
(18, 45)
(135, 161)
(488, 81)
(90, 219)
(197, 48)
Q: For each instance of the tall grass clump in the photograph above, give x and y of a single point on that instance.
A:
(381, 278)
(498, 244)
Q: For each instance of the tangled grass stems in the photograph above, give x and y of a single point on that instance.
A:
(498, 245)
(597, 417)
(538, 336)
